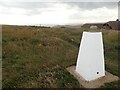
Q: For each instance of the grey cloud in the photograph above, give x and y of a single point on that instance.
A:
(83, 5)
(119, 10)
(32, 7)
(94, 5)
(25, 5)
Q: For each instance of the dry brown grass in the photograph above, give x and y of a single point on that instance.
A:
(37, 58)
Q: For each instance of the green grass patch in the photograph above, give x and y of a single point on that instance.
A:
(35, 59)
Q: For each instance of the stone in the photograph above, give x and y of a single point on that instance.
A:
(90, 61)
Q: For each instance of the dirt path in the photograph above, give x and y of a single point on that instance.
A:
(95, 83)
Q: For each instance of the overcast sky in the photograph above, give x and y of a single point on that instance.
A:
(53, 12)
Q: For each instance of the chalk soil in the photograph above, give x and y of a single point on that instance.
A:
(94, 83)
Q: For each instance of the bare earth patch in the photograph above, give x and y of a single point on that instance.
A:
(94, 83)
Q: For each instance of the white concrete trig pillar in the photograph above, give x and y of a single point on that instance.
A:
(90, 61)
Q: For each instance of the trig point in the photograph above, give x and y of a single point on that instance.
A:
(90, 64)
(90, 61)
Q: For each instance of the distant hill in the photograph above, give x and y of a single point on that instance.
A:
(68, 26)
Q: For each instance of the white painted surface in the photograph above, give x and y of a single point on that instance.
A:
(91, 56)
(93, 27)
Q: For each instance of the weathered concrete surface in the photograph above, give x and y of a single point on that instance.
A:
(94, 83)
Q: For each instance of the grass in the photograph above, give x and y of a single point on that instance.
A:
(114, 85)
(35, 59)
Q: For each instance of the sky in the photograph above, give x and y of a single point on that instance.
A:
(57, 12)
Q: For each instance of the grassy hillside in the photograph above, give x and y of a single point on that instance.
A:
(37, 57)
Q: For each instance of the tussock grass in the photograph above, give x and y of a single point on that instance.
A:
(35, 58)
